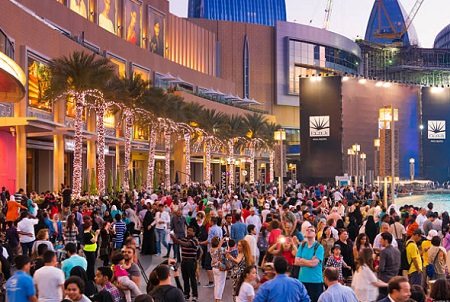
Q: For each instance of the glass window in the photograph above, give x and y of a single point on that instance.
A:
(38, 81)
(81, 7)
(144, 73)
(121, 66)
(132, 20)
(107, 15)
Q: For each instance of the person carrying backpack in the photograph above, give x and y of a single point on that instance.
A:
(165, 291)
(414, 259)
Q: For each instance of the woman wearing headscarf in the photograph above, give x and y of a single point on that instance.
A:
(149, 238)
(90, 288)
(371, 228)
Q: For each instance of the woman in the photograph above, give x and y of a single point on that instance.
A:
(149, 238)
(320, 228)
(327, 241)
(286, 247)
(218, 267)
(90, 247)
(365, 283)
(73, 290)
(90, 288)
(71, 230)
(41, 238)
(371, 229)
(437, 257)
(446, 245)
(244, 289)
(57, 229)
(106, 242)
(440, 291)
(275, 231)
(107, 217)
(243, 259)
(360, 244)
(13, 209)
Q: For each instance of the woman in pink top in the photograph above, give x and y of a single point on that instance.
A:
(446, 245)
(275, 232)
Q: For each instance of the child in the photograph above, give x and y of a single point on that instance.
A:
(336, 260)
(232, 249)
(12, 237)
(121, 275)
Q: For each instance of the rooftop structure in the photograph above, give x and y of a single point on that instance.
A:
(265, 12)
(443, 38)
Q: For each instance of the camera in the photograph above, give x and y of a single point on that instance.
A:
(174, 267)
(281, 239)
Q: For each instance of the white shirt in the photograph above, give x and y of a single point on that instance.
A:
(377, 243)
(245, 291)
(255, 220)
(337, 196)
(26, 225)
(362, 284)
(251, 240)
(48, 281)
(164, 217)
(264, 214)
(420, 220)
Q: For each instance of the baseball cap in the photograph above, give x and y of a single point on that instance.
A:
(336, 246)
(418, 232)
(431, 234)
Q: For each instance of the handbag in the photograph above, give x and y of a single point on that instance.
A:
(430, 269)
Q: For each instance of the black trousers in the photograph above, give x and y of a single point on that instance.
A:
(188, 269)
(90, 258)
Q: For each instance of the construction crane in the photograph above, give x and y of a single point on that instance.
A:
(328, 10)
(392, 33)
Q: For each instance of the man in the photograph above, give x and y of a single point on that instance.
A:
(214, 231)
(414, 259)
(238, 229)
(421, 217)
(226, 227)
(73, 259)
(25, 228)
(287, 215)
(397, 229)
(189, 248)
(399, 290)
(336, 292)
(162, 221)
(119, 228)
(282, 288)
(251, 240)
(177, 225)
(310, 258)
(265, 212)
(389, 262)
(346, 252)
(133, 272)
(20, 196)
(108, 292)
(236, 204)
(165, 291)
(377, 241)
(254, 219)
(428, 224)
(49, 280)
(20, 287)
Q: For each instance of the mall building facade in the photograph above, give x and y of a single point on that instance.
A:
(207, 61)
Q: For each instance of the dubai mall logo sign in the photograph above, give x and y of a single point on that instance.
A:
(436, 129)
(319, 126)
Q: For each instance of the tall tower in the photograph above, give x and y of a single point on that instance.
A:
(387, 18)
(265, 12)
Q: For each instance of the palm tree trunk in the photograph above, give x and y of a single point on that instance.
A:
(252, 162)
(231, 156)
(128, 132)
(151, 160)
(100, 112)
(207, 176)
(167, 149)
(78, 150)
(187, 154)
(271, 166)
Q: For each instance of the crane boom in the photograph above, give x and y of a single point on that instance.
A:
(328, 10)
(413, 14)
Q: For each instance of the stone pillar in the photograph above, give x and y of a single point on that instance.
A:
(59, 110)
(179, 161)
(90, 142)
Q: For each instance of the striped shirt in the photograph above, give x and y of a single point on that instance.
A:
(114, 291)
(189, 252)
(120, 227)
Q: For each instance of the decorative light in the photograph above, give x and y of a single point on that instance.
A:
(187, 152)
(232, 162)
(78, 150)
(362, 81)
(151, 159)
(271, 166)
(345, 78)
(379, 84)
(252, 162)
(129, 120)
(167, 149)
(100, 114)
(207, 178)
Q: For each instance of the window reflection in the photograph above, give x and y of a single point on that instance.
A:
(38, 81)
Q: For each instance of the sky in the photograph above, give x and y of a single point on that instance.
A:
(349, 17)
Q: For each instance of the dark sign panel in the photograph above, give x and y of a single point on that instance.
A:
(321, 129)
(435, 141)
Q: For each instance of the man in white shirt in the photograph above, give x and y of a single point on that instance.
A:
(265, 212)
(49, 280)
(377, 241)
(251, 240)
(254, 219)
(337, 195)
(25, 228)
(162, 219)
(421, 218)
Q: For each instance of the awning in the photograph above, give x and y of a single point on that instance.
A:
(167, 77)
(12, 80)
(15, 121)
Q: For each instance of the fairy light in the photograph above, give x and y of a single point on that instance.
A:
(100, 114)
(252, 162)
(151, 159)
(187, 168)
(128, 131)
(271, 165)
(231, 156)
(167, 149)
(78, 150)
(207, 178)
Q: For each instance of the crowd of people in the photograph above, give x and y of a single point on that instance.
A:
(318, 243)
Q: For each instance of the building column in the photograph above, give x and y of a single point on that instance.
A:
(21, 158)
(58, 146)
(91, 152)
(179, 160)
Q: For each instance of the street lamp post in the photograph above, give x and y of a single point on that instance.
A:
(280, 135)
(411, 168)
(376, 144)
(363, 157)
(350, 154)
(356, 148)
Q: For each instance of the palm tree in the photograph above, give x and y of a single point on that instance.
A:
(128, 93)
(213, 123)
(82, 77)
(234, 133)
(255, 124)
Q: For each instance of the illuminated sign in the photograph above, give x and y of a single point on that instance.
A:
(319, 126)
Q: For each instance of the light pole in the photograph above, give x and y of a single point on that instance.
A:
(363, 157)
(376, 144)
(350, 154)
(411, 168)
(280, 135)
(356, 148)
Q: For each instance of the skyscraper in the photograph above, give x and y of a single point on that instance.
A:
(387, 24)
(265, 12)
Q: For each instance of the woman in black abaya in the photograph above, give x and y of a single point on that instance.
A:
(149, 237)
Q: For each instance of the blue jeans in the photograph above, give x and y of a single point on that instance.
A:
(160, 238)
(314, 290)
(415, 278)
(26, 248)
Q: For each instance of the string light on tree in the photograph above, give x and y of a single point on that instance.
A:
(151, 159)
(100, 114)
(187, 151)
(271, 165)
(167, 149)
